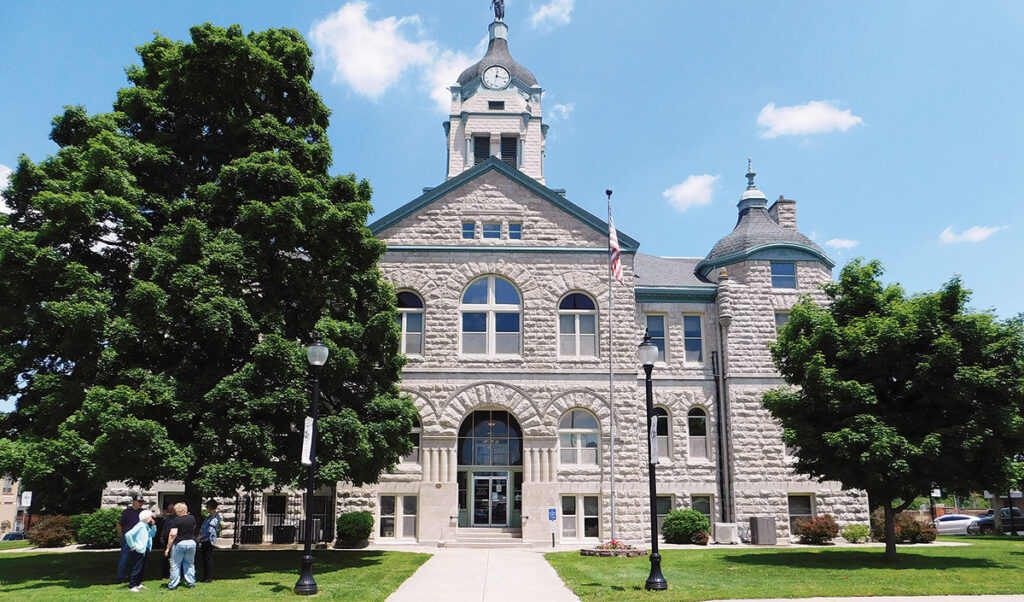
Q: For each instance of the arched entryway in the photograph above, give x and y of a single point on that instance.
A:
(490, 470)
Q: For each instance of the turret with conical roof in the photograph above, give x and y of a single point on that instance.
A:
(759, 235)
(496, 111)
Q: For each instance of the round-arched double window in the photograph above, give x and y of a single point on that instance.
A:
(491, 309)
(577, 326)
(490, 438)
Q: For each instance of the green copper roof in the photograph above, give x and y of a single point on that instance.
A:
(626, 242)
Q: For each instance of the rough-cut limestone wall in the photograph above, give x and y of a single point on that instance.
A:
(119, 495)
(492, 197)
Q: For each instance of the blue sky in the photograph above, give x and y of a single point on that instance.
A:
(896, 126)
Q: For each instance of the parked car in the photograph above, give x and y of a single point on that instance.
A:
(986, 523)
(14, 536)
(957, 524)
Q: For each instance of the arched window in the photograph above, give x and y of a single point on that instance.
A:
(697, 425)
(663, 424)
(491, 309)
(414, 435)
(410, 317)
(578, 434)
(577, 326)
(490, 438)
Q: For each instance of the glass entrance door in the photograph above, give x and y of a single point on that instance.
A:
(490, 500)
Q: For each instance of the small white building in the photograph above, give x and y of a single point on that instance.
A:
(504, 304)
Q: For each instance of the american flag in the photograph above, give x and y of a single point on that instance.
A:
(613, 245)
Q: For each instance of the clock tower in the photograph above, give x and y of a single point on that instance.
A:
(496, 111)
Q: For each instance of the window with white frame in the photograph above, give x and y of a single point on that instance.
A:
(663, 425)
(697, 429)
(783, 274)
(515, 231)
(702, 504)
(577, 326)
(656, 330)
(8, 484)
(578, 435)
(801, 507)
(692, 341)
(468, 230)
(663, 505)
(581, 516)
(414, 436)
(781, 317)
(492, 229)
(410, 318)
(398, 516)
(491, 308)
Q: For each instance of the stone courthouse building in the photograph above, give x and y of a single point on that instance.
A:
(503, 294)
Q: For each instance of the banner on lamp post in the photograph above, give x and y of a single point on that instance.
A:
(307, 442)
(653, 434)
(26, 498)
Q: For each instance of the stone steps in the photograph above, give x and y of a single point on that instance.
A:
(488, 537)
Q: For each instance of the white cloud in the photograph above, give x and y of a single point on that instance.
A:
(841, 243)
(561, 112)
(555, 12)
(815, 117)
(694, 192)
(369, 55)
(5, 175)
(442, 73)
(972, 234)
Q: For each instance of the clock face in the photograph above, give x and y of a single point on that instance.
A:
(496, 77)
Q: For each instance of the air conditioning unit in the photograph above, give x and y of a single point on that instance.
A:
(727, 533)
(762, 530)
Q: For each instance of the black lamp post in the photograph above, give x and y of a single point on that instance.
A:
(317, 356)
(647, 352)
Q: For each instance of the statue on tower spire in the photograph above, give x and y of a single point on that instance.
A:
(499, 9)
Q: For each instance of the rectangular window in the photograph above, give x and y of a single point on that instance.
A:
(780, 320)
(496, 105)
(492, 230)
(702, 504)
(510, 150)
(409, 504)
(413, 333)
(8, 484)
(800, 508)
(515, 231)
(474, 332)
(591, 516)
(664, 506)
(481, 149)
(656, 329)
(387, 516)
(569, 516)
(692, 338)
(462, 479)
(468, 230)
(783, 274)
(506, 333)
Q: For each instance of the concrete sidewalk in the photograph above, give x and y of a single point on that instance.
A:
(490, 575)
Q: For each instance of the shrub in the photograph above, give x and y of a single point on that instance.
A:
(878, 525)
(354, 527)
(99, 529)
(681, 525)
(908, 529)
(701, 538)
(51, 532)
(76, 524)
(856, 533)
(818, 530)
(926, 535)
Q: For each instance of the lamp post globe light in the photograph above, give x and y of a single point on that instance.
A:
(317, 356)
(647, 353)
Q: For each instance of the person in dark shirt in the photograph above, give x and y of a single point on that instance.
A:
(163, 528)
(181, 547)
(208, 539)
(129, 518)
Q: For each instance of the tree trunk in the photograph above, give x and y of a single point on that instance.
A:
(997, 519)
(193, 499)
(890, 532)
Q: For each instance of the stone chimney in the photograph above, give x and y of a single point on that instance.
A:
(783, 211)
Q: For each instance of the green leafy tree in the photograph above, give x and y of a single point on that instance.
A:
(895, 394)
(162, 272)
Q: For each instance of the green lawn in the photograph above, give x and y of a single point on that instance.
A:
(990, 565)
(13, 545)
(348, 575)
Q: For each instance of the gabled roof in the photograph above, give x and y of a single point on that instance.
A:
(626, 242)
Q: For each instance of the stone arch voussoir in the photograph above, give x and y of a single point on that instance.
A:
(493, 395)
(516, 273)
(427, 410)
(588, 400)
(576, 280)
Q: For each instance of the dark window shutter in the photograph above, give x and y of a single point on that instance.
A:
(509, 150)
(481, 149)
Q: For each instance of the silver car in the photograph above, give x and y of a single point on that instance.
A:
(954, 523)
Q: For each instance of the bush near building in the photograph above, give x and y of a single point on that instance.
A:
(908, 528)
(354, 527)
(681, 526)
(856, 533)
(818, 530)
(52, 532)
(99, 529)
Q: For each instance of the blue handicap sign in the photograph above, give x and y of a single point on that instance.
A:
(552, 514)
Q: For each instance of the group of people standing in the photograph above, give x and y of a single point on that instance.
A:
(180, 536)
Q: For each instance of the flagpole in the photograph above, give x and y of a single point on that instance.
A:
(611, 360)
